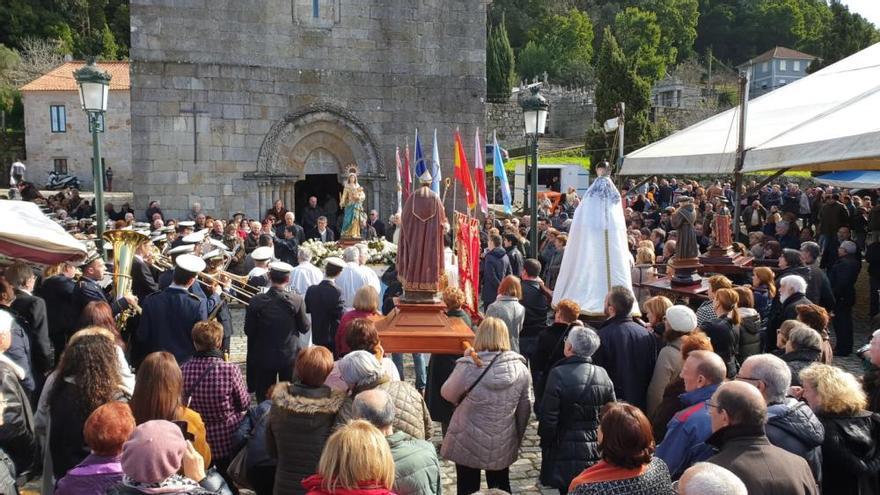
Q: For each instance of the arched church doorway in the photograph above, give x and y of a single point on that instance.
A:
(308, 153)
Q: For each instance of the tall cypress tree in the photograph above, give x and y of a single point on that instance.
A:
(500, 73)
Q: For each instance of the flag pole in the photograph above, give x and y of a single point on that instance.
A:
(455, 159)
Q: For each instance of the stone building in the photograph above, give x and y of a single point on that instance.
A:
(57, 135)
(775, 68)
(236, 104)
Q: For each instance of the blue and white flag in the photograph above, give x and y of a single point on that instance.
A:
(498, 172)
(420, 166)
(435, 166)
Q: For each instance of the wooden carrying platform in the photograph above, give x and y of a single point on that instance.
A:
(423, 328)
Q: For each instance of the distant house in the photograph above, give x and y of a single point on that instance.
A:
(57, 133)
(775, 68)
(674, 92)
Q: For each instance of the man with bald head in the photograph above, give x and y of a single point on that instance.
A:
(738, 414)
(683, 445)
(705, 478)
(416, 467)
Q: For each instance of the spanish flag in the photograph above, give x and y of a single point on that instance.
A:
(463, 174)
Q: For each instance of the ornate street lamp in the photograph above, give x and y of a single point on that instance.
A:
(94, 88)
(535, 112)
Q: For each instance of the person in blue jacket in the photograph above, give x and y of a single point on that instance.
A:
(683, 445)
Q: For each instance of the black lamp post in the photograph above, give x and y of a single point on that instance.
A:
(94, 87)
(534, 109)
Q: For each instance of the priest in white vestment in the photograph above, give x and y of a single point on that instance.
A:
(597, 255)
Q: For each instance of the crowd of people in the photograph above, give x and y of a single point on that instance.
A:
(731, 393)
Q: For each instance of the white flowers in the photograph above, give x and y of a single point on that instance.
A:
(379, 252)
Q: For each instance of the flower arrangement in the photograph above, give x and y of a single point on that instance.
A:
(380, 252)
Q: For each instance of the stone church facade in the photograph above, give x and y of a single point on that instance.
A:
(238, 103)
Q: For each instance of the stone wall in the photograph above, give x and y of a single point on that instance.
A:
(75, 145)
(571, 112)
(272, 84)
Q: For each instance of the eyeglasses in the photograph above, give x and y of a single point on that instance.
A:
(747, 378)
(713, 404)
(675, 486)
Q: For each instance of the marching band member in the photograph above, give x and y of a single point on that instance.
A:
(168, 316)
(259, 275)
(214, 261)
(88, 290)
(274, 322)
(184, 229)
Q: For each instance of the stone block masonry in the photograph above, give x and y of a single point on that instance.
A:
(277, 93)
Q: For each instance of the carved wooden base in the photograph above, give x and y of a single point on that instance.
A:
(423, 328)
(345, 242)
(728, 266)
(686, 272)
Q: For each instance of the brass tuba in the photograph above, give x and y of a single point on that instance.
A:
(125, 243)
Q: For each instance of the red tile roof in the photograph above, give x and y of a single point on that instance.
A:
(778, 52)
(61, 77)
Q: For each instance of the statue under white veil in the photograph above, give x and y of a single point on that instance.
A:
(597, 255)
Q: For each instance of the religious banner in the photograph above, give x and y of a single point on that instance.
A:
(468, 243)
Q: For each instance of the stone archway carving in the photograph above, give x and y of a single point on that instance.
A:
(284, 154)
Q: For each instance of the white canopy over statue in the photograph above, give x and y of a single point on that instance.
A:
(596, 256)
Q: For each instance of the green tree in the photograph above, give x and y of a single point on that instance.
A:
(561, 46)
(500, 74)
(638, 34)
(678, 26)
(520, 17)
(618, 81)
(846, 34)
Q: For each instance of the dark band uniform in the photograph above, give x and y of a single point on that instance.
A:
(88, 290)
(273, 324)
(57, 291)
(168, 317)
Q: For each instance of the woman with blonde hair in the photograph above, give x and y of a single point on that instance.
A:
(366, 305)
(724, 329)
(356, 461)
(493, 398)
(643, 272)
(508, 309)
(850, 457)
(655, 312)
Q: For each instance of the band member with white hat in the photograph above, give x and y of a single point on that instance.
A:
(169, 315)
(258, 276)
(184, 229)
(274, 322)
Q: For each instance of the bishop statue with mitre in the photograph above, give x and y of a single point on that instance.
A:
(420, 253)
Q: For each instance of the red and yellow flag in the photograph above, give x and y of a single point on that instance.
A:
(463, 174)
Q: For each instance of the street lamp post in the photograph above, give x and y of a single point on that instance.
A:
(534, 109)
(94, 87)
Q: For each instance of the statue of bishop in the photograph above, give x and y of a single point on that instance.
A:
(420, 260)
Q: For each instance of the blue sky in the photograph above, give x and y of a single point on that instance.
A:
(869, 9)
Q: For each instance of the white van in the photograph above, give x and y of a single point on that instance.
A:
(573, 175)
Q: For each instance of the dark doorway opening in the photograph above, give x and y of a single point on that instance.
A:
(327, 189)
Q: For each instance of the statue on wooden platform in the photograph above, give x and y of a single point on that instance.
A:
(420, 261)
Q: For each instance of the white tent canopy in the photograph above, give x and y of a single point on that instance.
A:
(851, 179)
(829, 120)
(28, 234)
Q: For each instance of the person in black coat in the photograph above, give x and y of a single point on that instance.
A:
(168, 316)
(142, 281)
(551, 346)
(57, 291)
(286, 246)
(377, 224)
(496, 266)
(274, 322)
(723, 330)
(322, 232)
(535, 300)
(628, 351)
(872, 256)
(88, 290)
(843, 276)
(789, 296)
(17, 434)
(310, 215)
(575, 393)
(514, 255)
(19, 351)
(324, 305)
(31, 311)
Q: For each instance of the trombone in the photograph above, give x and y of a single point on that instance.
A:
(163, 263)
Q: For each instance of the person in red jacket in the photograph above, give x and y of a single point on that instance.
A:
(356, 461)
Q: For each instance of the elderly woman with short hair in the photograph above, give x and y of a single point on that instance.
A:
(803, 348)
(575, 393)
(216, 390)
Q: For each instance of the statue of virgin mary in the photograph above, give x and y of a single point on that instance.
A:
(352, 201)
(596, 256)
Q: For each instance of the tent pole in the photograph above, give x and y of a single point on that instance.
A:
(740, 152)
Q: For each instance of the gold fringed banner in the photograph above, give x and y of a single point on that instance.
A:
(467, 240)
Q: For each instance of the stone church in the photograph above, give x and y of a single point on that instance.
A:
(238, 103)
